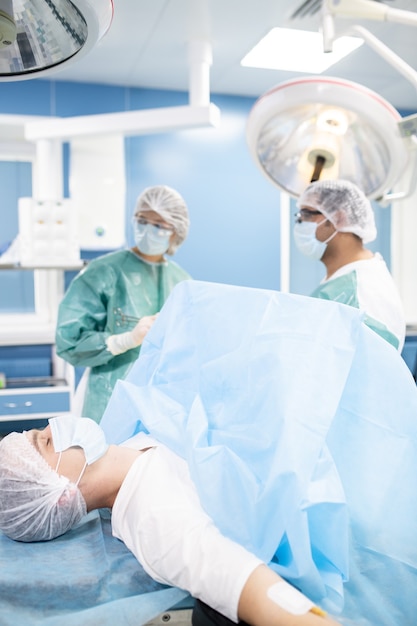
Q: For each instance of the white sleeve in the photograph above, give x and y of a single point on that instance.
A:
(158, 515)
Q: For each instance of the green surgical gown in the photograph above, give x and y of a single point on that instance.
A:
(105, 299)
(368, 285)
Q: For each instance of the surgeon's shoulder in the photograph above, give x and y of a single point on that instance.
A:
(99, 272)
(177, 271)
(106, 261)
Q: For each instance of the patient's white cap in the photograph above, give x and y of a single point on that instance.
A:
(36, 503)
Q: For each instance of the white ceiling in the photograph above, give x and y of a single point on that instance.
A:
(146, 46)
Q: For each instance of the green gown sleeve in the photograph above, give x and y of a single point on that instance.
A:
(82, 327)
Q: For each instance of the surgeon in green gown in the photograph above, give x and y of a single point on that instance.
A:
(112, 303)
(334, 221)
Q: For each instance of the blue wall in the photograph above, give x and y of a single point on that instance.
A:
(234, 210)
(16, 291)
(234, 230)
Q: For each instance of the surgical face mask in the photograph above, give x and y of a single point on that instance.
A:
(68, 431)
(306, 240)
(151, 239)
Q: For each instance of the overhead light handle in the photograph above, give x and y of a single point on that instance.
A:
(318, 166)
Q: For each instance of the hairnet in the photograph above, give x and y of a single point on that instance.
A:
(36, 504)
(344, 204)
(170, 205)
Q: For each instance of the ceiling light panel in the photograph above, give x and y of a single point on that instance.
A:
(298, 51)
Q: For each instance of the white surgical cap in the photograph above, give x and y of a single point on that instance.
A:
(344, 204)
(170, 205)
(36, 504)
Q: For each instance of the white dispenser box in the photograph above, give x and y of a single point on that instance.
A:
(48, 234)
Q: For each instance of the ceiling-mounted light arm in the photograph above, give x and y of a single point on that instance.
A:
(327, 27)
(369, 10)
(386, 53)
(409, 74)
(198, 114)
(199, 60)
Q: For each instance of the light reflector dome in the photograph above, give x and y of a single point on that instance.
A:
(37, 36)
(325, 128)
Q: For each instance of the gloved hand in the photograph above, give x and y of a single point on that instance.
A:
(141, 328)
(117, 344)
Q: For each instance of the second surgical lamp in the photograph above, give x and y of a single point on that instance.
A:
(325, 128)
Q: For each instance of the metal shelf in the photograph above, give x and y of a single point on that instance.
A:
(17, 266)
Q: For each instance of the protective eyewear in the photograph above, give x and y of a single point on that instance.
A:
(160, 229)
(305, 215)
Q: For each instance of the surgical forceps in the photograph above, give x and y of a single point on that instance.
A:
(121, 319)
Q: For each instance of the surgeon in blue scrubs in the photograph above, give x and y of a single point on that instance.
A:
(334, 221)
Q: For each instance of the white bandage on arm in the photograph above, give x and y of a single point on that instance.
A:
(117, 344)
(292, 600)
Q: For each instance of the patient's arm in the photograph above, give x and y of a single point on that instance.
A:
(256, 608)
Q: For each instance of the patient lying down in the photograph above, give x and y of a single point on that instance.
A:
(50, 479)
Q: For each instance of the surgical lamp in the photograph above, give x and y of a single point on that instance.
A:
(313, 128)
(39, 36)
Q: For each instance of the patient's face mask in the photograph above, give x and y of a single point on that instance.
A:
(68, 431)
(306, 240)
(151, 239)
